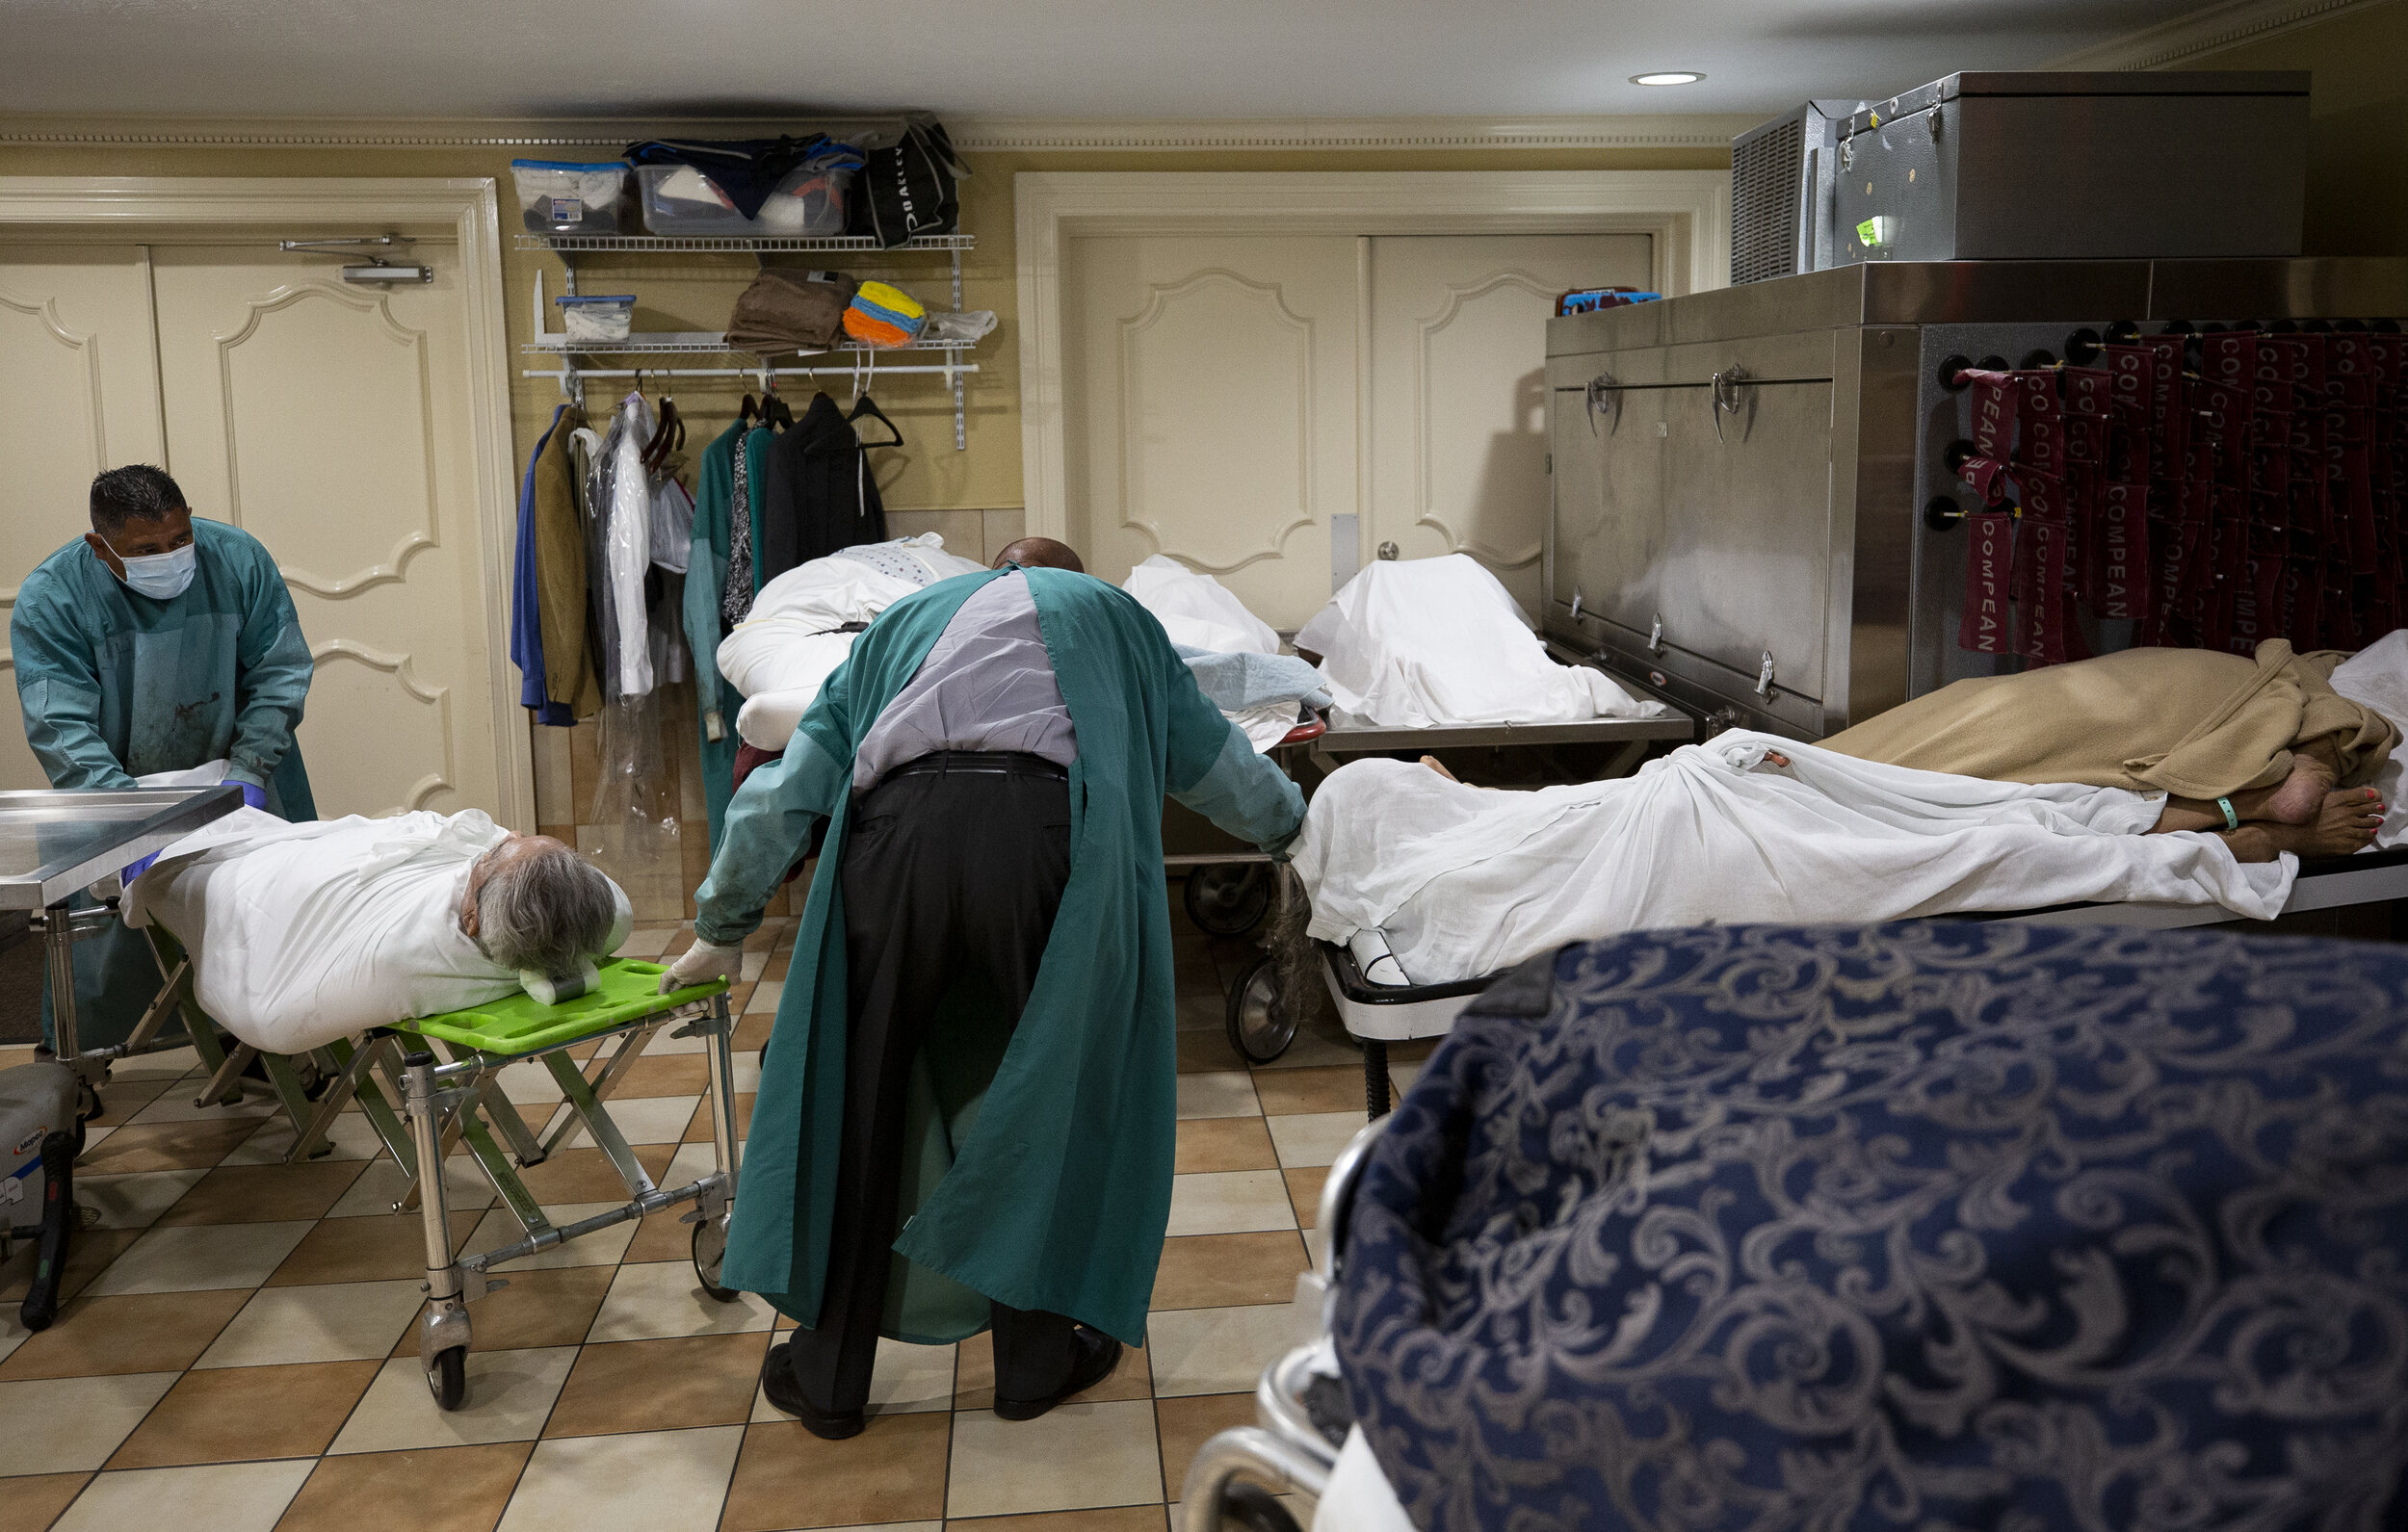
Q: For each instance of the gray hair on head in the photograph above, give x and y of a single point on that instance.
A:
(544, 909)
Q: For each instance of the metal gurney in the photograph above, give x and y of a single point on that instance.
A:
(1376, 1014)
(1228, 894)
(423, 1107)
(1228, 886)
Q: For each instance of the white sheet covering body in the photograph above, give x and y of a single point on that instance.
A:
(304, 933)
(780, 655)
(1463, 881)
(1198, 611)
(1412, 643)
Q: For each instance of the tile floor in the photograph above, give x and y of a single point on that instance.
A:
(237, 1352)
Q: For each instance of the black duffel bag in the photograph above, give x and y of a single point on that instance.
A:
(908, 189)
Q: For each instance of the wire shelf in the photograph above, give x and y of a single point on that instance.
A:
(715, 244)
(689, 344)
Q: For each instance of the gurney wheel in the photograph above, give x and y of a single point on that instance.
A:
(710, 1249)
(1260, 1028)
(1229, 899)
(448, 1379)
(1255, 1508)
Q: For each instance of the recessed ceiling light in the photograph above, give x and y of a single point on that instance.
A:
(1667, 77)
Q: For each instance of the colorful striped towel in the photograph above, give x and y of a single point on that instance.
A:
(884, 314)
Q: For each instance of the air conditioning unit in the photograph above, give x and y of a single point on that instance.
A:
(1784, 176)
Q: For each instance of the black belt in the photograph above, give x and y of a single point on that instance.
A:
(982, 762)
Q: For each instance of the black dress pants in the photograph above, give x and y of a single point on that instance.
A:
(954, 867)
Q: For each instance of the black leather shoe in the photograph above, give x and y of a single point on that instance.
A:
(1099, 1355)
(777, 1381)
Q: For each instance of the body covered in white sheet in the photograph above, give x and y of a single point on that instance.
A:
(1413, 644)
(1233, 654)
(803, 623)
(304, 933)
(1463, 881)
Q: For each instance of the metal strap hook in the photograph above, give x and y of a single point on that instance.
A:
(1725, 387)
(1603, 388)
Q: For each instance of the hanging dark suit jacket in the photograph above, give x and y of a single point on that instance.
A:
(821, 495)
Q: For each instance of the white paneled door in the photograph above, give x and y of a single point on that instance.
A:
(1458, 410)
(1211, 391)
(332, 422)
(79, 392)
(1235, 402)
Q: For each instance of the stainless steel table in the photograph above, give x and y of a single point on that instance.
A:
(1348, 736)
(54, 843)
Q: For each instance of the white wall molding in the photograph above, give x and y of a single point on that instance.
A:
(2206, 32)
(993, 135)
(1406, 134)
(1686, 212)
(466, 210)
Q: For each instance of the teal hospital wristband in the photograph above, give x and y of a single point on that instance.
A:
(2231, 820)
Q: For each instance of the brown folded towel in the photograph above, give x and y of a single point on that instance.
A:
(787, 310)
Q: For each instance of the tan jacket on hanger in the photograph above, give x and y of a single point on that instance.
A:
(561, 594)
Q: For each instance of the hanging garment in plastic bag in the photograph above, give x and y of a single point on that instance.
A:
(637, 838)
(627, 544)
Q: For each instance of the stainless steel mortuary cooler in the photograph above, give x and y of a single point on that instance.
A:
(2033, 165)
(1742, 476)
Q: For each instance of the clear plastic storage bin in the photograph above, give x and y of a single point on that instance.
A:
(680, 199)
(567, 197)
(597, 319)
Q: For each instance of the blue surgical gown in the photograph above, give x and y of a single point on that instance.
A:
(117, 685)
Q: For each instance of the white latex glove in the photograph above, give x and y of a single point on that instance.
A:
(702, 963)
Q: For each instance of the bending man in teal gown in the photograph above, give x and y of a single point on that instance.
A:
(967, 1104)
(156, 642)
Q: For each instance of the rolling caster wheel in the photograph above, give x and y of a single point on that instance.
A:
(1255, 1509)
(1229, 899)
(710, 1248)
(448, 1379)
(1260, 1028)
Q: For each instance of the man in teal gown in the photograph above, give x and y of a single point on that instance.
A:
(156, 642)
(1010, 1155)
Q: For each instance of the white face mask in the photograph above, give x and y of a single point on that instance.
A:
(162, 577)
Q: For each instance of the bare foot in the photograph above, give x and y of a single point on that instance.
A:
(2345, 822)
(2301, 796)
(1439, 767)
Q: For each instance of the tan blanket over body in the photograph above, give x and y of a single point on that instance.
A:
(2193, 723)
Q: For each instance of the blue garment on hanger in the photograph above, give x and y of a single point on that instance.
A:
(526, 616)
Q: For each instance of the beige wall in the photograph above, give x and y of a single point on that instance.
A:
(2358, 131)
(971, 497)
(696, 291)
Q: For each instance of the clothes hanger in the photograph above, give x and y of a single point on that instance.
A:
(773, 408)
(668, 437)
(866, 407)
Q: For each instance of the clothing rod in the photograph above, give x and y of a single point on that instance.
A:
(747, 372)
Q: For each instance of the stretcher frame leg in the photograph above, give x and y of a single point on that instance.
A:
(226, 1084)
(596, 1088)
(443, 1333)
(448, 1096)
(585, 1098)
(1376, 1098)
(502, 1112)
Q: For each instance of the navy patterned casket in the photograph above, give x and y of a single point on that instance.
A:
(1926, 1226)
